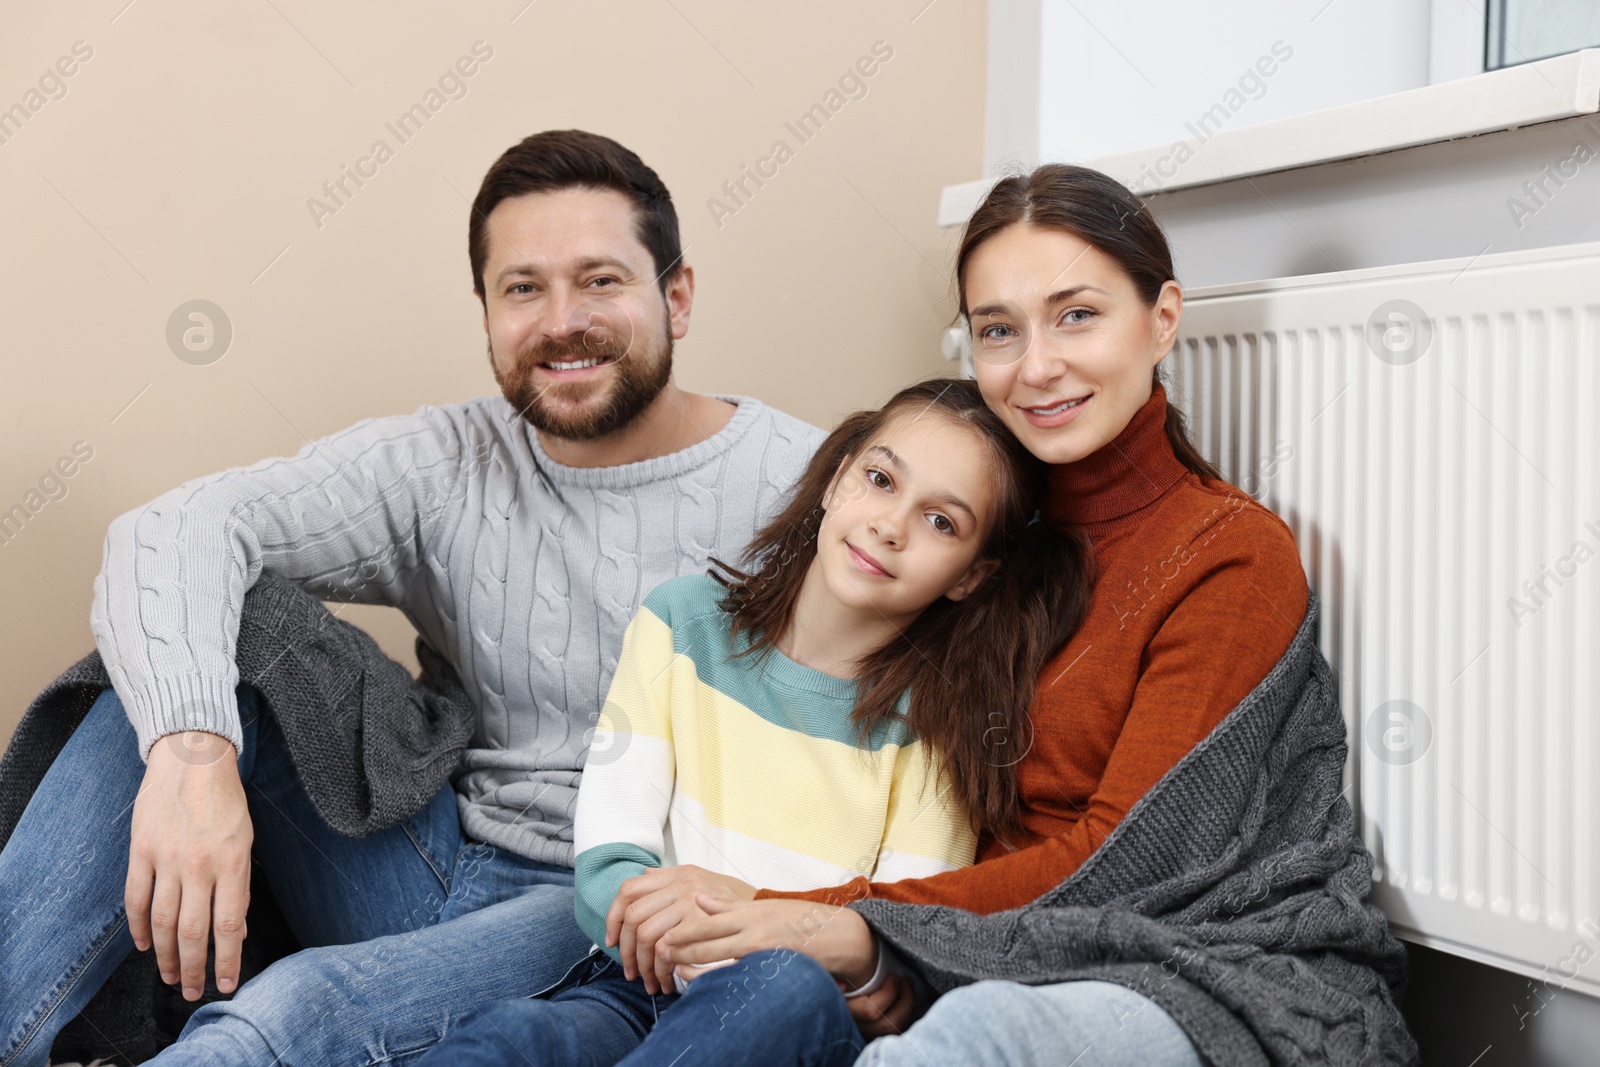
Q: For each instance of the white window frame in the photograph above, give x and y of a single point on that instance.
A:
(1455, 40)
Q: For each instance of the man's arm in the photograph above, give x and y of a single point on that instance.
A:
(351, 517)
(348, 518)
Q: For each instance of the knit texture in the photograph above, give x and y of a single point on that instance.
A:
(748, 766)
(1234, 895)
(521, 571)
(371, 744)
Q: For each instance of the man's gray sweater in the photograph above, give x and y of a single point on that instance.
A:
(523, 571)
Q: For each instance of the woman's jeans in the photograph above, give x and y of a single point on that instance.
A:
(1003, 1024)
(773, 1008)
(405, 930)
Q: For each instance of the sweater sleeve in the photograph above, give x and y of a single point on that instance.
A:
(625, 798)
(926, 832)
(350, 517)
(1215, 646)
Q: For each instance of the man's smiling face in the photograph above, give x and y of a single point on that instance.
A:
(580, 334)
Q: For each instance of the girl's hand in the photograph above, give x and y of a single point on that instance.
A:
(653, 903)
(837, 938)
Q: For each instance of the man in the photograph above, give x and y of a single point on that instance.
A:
(518, 533)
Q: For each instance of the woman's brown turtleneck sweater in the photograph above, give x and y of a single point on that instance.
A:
(1200, 590)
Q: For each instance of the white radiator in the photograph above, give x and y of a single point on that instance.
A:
(1431, 434)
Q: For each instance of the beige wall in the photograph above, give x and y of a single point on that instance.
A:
(179, 162)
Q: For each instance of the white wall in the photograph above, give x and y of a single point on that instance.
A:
(1073, 81)
(1011, 108)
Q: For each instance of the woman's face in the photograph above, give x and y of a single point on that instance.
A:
(1062, 342)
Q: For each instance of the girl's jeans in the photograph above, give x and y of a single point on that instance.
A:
(772, 1008)
(778, 1008)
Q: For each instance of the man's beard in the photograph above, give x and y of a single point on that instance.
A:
(637, 378)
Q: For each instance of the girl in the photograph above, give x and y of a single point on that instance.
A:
(852, 706)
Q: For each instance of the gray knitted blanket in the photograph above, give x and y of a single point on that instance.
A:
(372, 744)
(1234, 895)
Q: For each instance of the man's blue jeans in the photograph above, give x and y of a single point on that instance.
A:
(775, 1008)
(405, 930)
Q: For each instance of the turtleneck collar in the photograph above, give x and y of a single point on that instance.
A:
(1121, 477)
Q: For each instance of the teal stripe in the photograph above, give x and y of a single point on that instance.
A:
(773, 686)
(598, 874)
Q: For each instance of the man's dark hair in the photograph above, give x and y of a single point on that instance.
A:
(563, 159)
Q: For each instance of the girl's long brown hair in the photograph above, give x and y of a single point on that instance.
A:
(1103, 212)
(970, 666)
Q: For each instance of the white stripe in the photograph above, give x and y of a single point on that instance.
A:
(692, 839)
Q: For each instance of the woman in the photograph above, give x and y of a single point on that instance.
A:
(1067, 284)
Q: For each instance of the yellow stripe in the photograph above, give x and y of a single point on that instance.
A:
(791, 790)
(924, 814)
(638, 695)
(777, 785)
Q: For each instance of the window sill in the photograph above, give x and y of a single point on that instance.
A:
(1551, 89)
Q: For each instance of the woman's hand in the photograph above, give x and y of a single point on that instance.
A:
(837, 938)
(887, 1011)
(653, 903)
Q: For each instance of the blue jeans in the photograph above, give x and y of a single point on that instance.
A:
(405, 930)
(774, 1008)
(1003, 1024)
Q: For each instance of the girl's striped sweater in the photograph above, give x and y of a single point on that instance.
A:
(749, 767)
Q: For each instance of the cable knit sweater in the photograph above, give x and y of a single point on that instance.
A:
(523, 571)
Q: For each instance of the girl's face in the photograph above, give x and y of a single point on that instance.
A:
(1063, 344)
(906, 518)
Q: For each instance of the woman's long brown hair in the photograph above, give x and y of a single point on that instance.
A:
(1103, 212)
(970, 666)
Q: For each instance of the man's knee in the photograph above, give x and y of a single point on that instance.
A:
(313, 989)
(107, 706)
(319, 1005)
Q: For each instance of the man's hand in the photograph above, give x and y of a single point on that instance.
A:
(653, 903)
(189, 862)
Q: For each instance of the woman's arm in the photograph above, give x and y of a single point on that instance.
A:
(837, 938)
(1218, 642)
